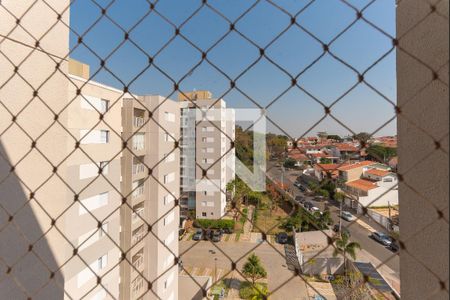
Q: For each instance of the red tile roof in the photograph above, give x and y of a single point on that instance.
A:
(362, 184)
(347, 148)
(327, 167)
(377, 172)
(357, 165)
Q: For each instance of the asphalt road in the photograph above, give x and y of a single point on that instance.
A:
(358, 233)
(282, 282)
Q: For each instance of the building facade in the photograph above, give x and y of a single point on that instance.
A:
(150, 183)
(207, 154)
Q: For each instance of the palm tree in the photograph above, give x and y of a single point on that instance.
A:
(343, 246)
(254, 269)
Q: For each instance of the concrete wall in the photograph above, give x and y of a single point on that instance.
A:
(423, 47)
(25, 219)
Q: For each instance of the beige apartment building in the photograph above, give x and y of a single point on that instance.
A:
(64, 173)
(151, 185)
(33, 148)
(207, 158)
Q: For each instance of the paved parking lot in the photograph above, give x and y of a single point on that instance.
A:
(206, 255)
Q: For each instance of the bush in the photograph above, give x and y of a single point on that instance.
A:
(323, 193)
(214, 224)
(248, 291)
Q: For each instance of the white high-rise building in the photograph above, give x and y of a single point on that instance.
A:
(207, 154)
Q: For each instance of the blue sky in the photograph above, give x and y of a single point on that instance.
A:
(295, 112)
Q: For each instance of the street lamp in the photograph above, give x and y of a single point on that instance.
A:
(215, 269)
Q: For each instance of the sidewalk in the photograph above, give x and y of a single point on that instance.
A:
(392, 278)
(248, 225)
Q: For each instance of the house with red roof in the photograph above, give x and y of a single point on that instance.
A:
(375, 186)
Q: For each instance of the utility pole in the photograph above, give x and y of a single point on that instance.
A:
(215, 269)
(340, 216)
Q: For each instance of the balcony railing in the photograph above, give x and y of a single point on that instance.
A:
(138, 145)
(138, 168)
(138, 215)
(138, 261)
(137, 286)
(138, 121)
(138, 191)
(138, 235)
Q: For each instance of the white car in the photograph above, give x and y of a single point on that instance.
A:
(348, 216)
(315, 210)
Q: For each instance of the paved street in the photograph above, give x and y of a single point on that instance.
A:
(281, 281)
(359, 233)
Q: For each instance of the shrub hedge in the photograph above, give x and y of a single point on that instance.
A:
(214, 224)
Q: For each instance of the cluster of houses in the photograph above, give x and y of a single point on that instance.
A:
(364, 183)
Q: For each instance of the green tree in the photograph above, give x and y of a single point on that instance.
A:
(344, 246)
(335, 137)
(254, 269)
(239, 189)
(362, 137)
(324, 193)
(381, 154)
(325, 161)
(289, 163)
(339, 196)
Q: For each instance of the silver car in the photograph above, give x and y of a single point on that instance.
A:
(348, 216)
(382, 238)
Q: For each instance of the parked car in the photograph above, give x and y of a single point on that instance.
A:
(300, 199)
(382, 238)
(394, 246)
(228, 230)
(315, 210)
(347, 216)
(282, 238)
(216, 236)
(343, 230)
(198, 235)
(208, 234)
(297, 184)
(302, 188)
(308, 205)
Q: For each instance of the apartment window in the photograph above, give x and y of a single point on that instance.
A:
(93, 203)
(169, 117)
(169, 219)
(104, 230)
(102, 262)
(204, 203)
(139, 141)
(208, 140)
(208, 161)
(138, 188)
(94, 103)
(94, 136)
(207, 129)
(169, 178)
(168, 199)
(204, 214)
(104, 106)
(208, 150)
(104, 136)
